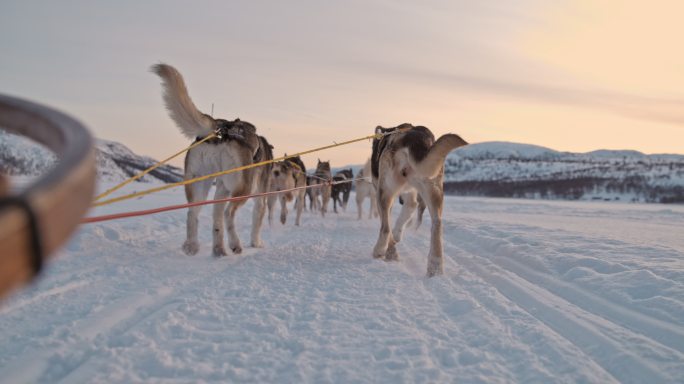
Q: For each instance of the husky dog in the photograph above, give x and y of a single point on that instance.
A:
(410, 163)
(321, 178)
(342, 188)
(365, 188)
(288, 174)
(236, 144)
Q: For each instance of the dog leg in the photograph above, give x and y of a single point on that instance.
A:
(325, 199)
(374, 204)
(257, 220)
(283, 209)
(385, 200)
(314, 199)
(299, 205)
(345, 200)
(194, 192)
(271, 208)
(359, 204)
(419, 214)
(233, 239)
(407, 209)
(432, 194)
(219, 249)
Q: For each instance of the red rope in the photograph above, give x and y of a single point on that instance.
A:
(97, 219)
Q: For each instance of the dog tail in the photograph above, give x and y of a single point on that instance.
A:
(182, 110)
(430, 165)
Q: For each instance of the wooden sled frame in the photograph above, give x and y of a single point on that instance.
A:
(58, 199)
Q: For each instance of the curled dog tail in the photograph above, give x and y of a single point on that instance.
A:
(182, 110)
(430, 165)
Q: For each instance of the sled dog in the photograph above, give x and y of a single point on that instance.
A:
(288, 174)
(365, 189)
(236, 144)
(410, 163)
(343, 189)
(321, 178)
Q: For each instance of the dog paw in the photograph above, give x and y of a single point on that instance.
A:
(257, 244)
(435, 268)
(191, 248)
(219, 251)
(283, 219)
(237, 249)
(392, 254)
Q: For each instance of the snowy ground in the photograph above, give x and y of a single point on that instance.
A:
(533, 292)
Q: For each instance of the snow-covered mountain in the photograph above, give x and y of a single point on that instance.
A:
(521, 170)
(115, 162)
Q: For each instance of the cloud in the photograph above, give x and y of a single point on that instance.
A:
(655, 109)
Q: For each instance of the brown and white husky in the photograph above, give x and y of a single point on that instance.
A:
(236, 144)
(410, 163)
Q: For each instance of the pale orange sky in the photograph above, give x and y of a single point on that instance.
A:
(570, 75)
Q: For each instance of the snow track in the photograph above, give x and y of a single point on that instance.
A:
(532, 292)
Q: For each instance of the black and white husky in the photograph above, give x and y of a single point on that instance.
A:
(343, 188)
(236, 144)
(410, 163)
(288, 174)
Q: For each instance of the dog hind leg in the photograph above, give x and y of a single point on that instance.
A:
(374, 204)
(325, 197)
(432, 194)
(257, 221)
(271, 207)
(299, 205)
(407, 210)
(194, 192)
(233, 239)
(359, 203)
(219, 248)
(283, 209)
(419, 213)
(385, 240)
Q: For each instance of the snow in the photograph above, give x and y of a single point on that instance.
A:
(534, 291)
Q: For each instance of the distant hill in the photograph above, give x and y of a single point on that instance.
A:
(115, 162)
(496, 169)
(504, 169)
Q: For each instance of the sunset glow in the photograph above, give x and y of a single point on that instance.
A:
(571, 75)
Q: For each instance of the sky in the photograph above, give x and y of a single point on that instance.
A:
(569, 75)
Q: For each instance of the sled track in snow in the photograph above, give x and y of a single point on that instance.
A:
(314, 306)
(585, 320)
(114, 320)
